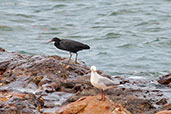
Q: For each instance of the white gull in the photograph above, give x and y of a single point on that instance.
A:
(101, 82)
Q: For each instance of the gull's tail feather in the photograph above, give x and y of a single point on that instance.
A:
(113, 86)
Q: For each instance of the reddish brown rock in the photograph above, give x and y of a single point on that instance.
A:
(166, 80)
(41, 84)
(164, 112)
(166, 107)
(2, 50)
(92, 105)
(13, 102)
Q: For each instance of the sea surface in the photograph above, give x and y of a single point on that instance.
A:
(130, 38)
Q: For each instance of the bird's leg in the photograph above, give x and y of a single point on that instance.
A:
(101, 99)
(70, 57)
(103, 95)
(76, 62)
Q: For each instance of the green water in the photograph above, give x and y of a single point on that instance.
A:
(127, 37)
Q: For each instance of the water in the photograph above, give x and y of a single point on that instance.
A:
(127, 37)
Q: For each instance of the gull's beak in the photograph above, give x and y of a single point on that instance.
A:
(49, 41)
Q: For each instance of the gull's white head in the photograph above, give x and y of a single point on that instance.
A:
(93, 69)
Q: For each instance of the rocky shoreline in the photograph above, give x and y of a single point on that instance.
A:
(42, 84)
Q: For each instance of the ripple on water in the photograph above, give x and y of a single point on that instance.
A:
(102, 53)
(122, 28)
(5, 28)
(112, 35)
(153, 29)
(55, 33)
(141, 24)
(165, 43)
(25, 52)
(59, 6)
(123, 12)
(127, 46)
(26, 16)
(102, 26)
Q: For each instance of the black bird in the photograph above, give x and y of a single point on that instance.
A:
(69, 45)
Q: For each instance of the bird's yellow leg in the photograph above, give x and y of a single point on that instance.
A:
(70, 57)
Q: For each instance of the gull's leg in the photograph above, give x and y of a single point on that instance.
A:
(76, 62)
(70, 57)
(103, 95)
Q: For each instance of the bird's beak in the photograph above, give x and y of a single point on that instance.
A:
(49, 41)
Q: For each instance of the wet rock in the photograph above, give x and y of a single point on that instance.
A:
(165, 80)
(92, 105)
(162, 101)
(3, 66)
(43, 84)
(39, 75)
(2, 50)
(166, 107)
(14, 102)
(164, 112)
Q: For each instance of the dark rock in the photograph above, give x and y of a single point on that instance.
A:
(42, 84)
(162, 101)
(166, 80)
(2, 50)
(166, 107)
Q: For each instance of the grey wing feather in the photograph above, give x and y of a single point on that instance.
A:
(107, 82)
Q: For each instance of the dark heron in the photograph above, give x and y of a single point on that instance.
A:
(69, 45)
